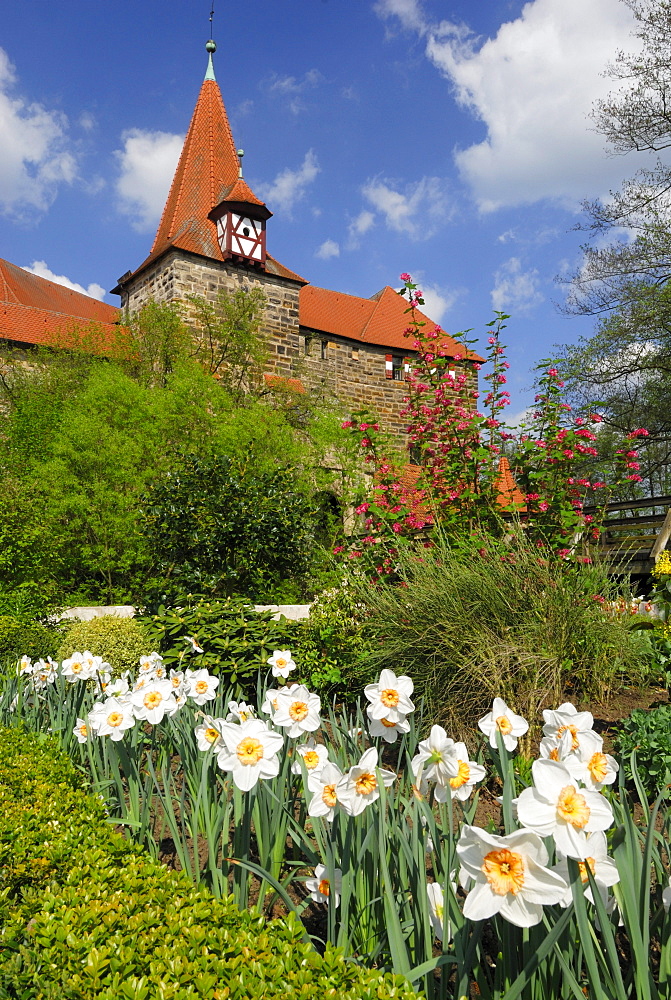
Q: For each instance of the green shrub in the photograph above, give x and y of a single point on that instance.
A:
(236, 640)
(29, 638)
(332, 647)
(217, 527)
(502, 619)
(83, 914)
(122, 641)
(649, 734)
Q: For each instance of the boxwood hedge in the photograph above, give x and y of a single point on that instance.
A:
(83, 913)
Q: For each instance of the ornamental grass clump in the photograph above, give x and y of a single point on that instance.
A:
(485, 619)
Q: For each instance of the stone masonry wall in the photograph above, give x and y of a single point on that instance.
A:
(178, 275)
(353, 373)
(345, 372)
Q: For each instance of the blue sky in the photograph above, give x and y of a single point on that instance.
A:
(446, 138)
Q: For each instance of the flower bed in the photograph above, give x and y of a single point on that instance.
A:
(370, 825)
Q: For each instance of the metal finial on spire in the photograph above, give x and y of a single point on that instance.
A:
(210, 48)
(240, 153)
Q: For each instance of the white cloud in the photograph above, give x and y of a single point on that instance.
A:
(87, 121)
(328, 249)
(516, 420)
(437, 301)
(360, 225)
(515, 290)
(532, 86)
(40, 268)
(417, 211)
(290, 185)
(292, 89)
(409, 13)
(147, 165)
(35, 152)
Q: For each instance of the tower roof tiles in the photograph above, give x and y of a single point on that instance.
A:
(208, 173)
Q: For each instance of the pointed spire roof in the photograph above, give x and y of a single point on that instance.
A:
(510, 496)
(208, 173)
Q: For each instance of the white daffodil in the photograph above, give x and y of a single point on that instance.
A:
(44, 673)
(600, 865)
(250, 752)
(359, 786)
(435, 757)
(81, 731)
(465, 776)
(177, 680)
(24, 667)
(192, 644)
(269, 704)
(153, 701)
(390, 697)
(666, 897)
(95, 664)
(502, 720)
(78, 667)
(240, 711)
(323, 785)
(509, 876)
(297, 710)
(112, 718)
(208, 734)
(315, 756)
(103, 679)
(556, 747)
(567, 719)
(436, 910)
(201, 686)
(389, 731)
(321, 889)
(555, 806)
(118, 687)
(282, 663)
(152, 664)
(593, 768)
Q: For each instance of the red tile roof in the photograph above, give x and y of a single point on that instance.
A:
(380, 320)
(34, 310)
(207, 174)
(510, 496)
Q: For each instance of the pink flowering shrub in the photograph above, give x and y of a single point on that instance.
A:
(457, 435)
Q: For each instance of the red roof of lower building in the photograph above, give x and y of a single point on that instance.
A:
(381, 320)
(34, 310)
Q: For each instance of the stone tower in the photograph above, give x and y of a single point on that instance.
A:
(212, 233)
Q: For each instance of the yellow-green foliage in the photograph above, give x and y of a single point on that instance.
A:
(83, 914)
(121, 641)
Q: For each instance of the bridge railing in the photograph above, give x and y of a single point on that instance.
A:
(640, 532)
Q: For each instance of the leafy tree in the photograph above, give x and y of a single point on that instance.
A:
(228, 337)
(634, 118)
(86, 438)
(625, 367)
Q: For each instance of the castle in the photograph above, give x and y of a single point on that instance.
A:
(212, 238)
